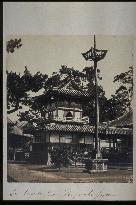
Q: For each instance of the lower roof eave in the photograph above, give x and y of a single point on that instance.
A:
(88, 129)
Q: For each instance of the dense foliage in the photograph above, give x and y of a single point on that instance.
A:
(60, 156)
(18, 86)
(121, 102)
(67, 154)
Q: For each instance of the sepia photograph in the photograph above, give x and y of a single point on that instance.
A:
(70, 109)
(69, 119)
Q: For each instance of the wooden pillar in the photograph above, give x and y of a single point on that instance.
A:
(72, 137)
(114, 142)
(80, 115)
(14, 156)
(49, 136)
(94, 141)
(57, 112)
(109, 143)
(73, 113)
(84, 139)
(99, 143)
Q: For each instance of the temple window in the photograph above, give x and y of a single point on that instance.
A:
(69, 115)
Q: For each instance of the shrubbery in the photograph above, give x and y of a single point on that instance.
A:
(65, 155)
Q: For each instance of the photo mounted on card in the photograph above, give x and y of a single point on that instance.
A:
(69, 111)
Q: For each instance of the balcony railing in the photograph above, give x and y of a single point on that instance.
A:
(71, 105)
(84, 120)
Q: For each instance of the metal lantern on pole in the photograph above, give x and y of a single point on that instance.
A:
(95, 55)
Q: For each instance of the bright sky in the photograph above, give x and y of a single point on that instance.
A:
(47, 53)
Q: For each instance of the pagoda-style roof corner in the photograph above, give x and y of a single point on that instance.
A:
(125, 120)
(70, 86)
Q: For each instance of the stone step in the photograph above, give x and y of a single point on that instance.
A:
(77, 165)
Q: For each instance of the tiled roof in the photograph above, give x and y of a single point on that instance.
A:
(87, 128)
(9, 121)
(123, 121)
(21, 124)
(70, 127)
(73, 92)
(15, 130)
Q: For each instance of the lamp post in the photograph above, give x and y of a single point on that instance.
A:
(97, 147)
(95, 55)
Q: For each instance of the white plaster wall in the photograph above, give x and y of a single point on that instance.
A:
(78, 115)
(60, 114)
(105, 144)
(54, 113)
(67, 138)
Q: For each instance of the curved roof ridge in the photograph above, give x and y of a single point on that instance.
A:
(130, 112)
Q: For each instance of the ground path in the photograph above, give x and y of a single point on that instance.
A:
(41, 173)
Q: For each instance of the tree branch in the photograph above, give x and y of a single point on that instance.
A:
(14, 109)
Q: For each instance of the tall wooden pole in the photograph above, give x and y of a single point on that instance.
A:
(96, 106)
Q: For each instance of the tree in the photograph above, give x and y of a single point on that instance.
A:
(12, 44)
(126, 79)
(90, 108)
(18, 86)
(120, 102)
(37, 107)
(60, 156)
(109, 109)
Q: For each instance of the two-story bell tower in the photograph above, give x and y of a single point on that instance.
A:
(63, 112)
